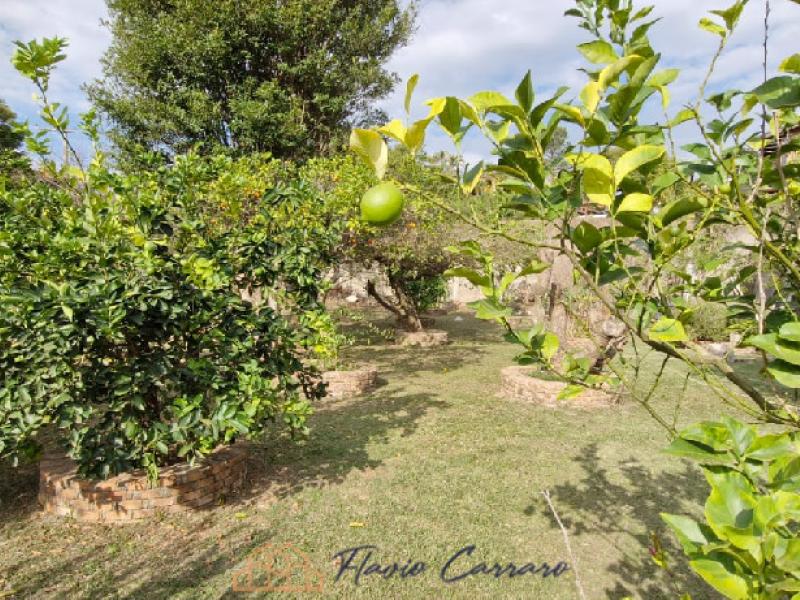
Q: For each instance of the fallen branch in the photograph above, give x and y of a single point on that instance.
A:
(573, 560)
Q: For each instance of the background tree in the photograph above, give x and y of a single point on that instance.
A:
(11, 157)
(286, 77)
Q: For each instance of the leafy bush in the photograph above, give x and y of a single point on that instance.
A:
(122, 321)
(427, 292)
(123, 326)
(708, 322)
(749, 546)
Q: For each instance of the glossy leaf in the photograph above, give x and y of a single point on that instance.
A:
(635, 159)
(525, 94)
(636, 203)
(370, 146)
(598, 52)
(410, 87)
(668, 330)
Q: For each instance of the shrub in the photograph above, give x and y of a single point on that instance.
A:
(427, 292)
(122, 323)
(709, 322)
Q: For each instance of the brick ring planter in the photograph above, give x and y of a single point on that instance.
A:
(343, 384)
(130, 496)
(519, 384)
(427, 338)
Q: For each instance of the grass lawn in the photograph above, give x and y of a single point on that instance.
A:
(429, 463)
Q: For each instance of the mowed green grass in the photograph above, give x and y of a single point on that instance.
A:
(429, 463)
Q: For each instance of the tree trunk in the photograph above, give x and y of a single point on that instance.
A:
(409, 316)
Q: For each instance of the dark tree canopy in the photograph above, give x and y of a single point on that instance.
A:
(9, 138)
(285, 76)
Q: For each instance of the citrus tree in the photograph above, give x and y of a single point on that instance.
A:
(740, 177)
(127, 331)
(401, 235)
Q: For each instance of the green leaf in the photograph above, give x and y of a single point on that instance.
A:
(789, 557)
(695, 450)
(498, 130)
(664, 182)
(636, 203)
(525, 94)
(634, 159)
(598, 178)
(372, 148)
(415, 136)
(410, 87)
(730, 508)
(668, 330)
(791, 64)
(678, 209)
(490, 309)
(470, 275)
(534, 267)
(708, 25)
(664, 77)
(790, 332)
(487, 99)
(469, 113)
(586, 237)
(687, 114)
(590, 96)
(687, 530)
(718, 576)
(779, 92)
(785, 373)
(598, 52)
(610, 75)
(770, 344)
(68, 312)
(570, 391)
(471, 178)
(395, 129)
(450, 117)
(538, 113)
(732, 14)
(550, 345)
(571, 112)
(769, 447)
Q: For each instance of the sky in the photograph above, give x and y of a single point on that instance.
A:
(460, 47)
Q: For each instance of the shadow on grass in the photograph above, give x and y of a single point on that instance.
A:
(18, 489)
(341, 432)
(189, 554)
(629, 507)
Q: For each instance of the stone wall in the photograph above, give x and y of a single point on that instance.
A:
(131, 496)
(346, 384)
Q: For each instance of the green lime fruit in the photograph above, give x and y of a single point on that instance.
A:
(382, 205)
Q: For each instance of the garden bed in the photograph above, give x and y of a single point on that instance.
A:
(344, 384)
(521, 383)
(428, 338)
(131, 496)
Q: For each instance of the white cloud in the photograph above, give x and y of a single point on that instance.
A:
(76, 20)
(461, 46)
(464, 46)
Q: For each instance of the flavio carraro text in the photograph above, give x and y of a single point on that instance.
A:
(360, 562)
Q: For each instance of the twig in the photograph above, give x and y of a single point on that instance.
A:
(578, 584)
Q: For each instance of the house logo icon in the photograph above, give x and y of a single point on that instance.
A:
(277, 568)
